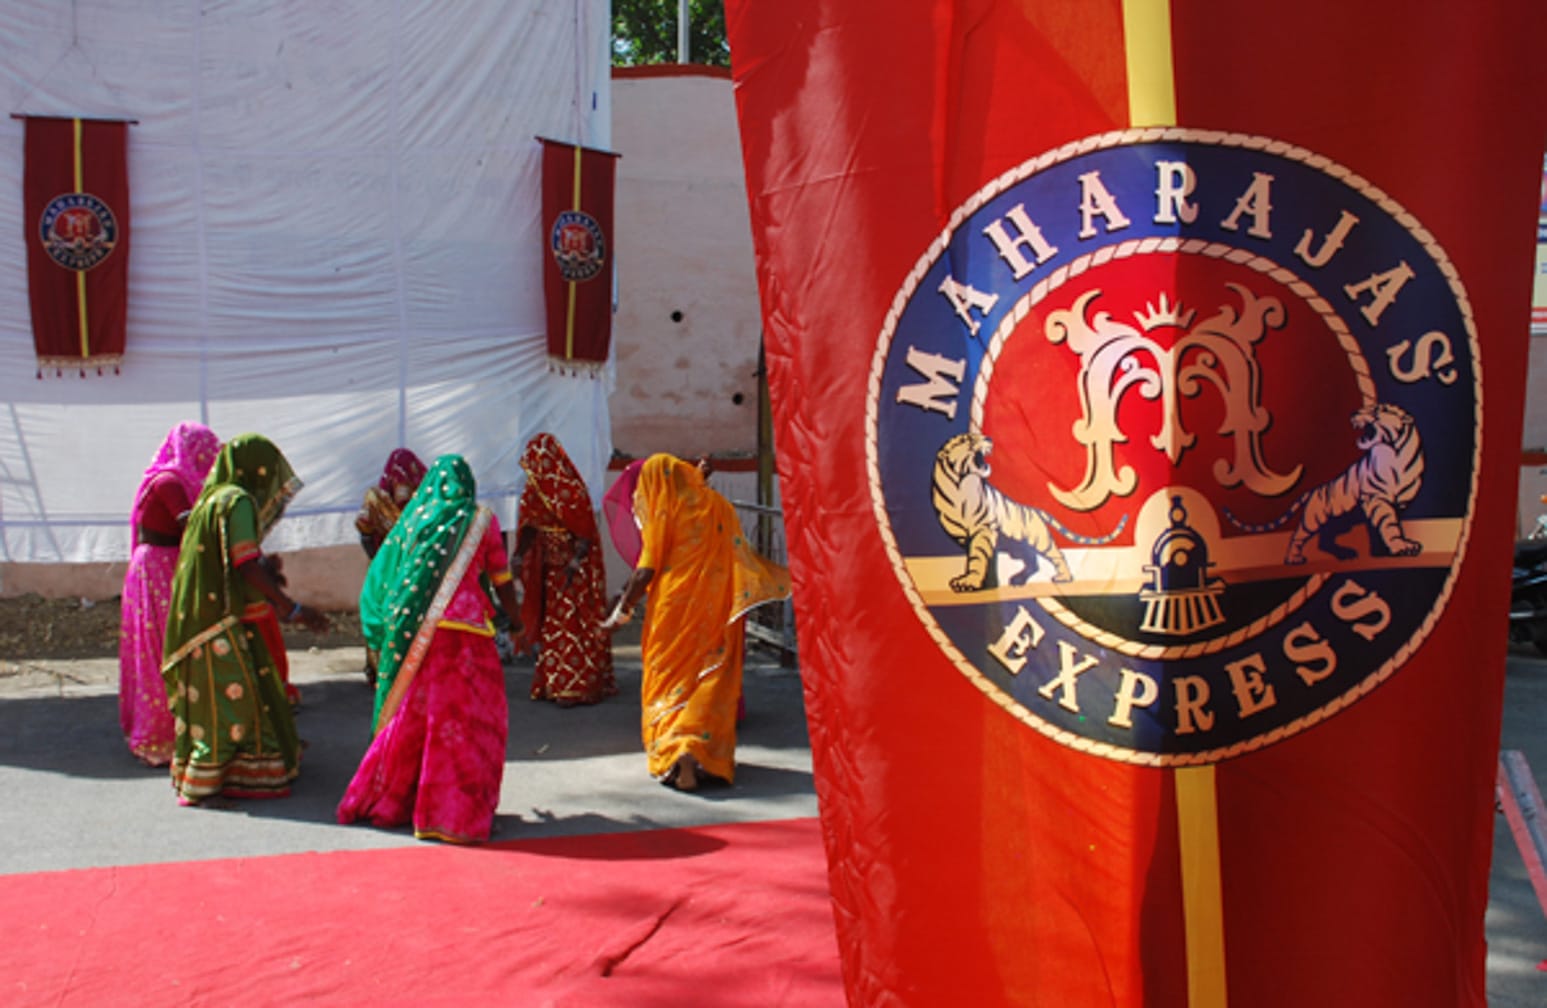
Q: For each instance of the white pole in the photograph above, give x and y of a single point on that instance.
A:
(682, 31)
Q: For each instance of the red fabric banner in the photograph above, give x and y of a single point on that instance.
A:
(1148, 395)
(76, 203)
(578, 254)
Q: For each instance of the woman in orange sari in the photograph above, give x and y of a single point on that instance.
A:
(702, 577)
(558, 560)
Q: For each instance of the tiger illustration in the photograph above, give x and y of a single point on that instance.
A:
(983, 520)
(1383, 481)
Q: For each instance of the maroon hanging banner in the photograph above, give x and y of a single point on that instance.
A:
(577, 254)
(76, 212)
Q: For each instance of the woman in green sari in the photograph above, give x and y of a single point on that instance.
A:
(438, 755)
(235, 734)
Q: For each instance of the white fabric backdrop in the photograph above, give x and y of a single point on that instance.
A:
(335, 242)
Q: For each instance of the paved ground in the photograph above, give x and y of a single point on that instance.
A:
(75, 799)
(1517, 928)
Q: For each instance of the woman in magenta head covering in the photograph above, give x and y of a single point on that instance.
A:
(400, 477)
(166, 492)
(618, 509)
(383, 503)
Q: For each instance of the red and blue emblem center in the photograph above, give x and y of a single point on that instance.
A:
(77, 230)
(578, 246)
(1174, 441)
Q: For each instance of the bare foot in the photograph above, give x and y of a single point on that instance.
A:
(686, 776)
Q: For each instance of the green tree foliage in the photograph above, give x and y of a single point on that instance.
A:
(645, 31)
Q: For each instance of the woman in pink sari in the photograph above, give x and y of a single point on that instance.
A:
(167, 490)
(441, 717)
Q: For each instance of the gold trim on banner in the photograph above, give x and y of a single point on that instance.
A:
(1147, 47)
(82, 318)
(1152, 102)
(1203, 911)
(569, 319)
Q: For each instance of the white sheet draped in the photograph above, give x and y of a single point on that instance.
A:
(335, 242)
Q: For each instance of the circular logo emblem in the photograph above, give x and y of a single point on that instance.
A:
(1173, 441)
(78, 231)
(578, 246)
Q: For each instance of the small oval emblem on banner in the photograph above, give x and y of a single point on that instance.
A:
(78, 231)
(1173, 441)
(578, 246)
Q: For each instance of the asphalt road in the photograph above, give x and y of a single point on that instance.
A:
(74, 798)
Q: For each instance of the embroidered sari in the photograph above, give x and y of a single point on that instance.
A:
(235, 733)
(400, 477)
(383, 503)
(438, 754)
(168, 488)
(707, 577)
(564, 590)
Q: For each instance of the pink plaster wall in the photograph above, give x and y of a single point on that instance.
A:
(687, 328)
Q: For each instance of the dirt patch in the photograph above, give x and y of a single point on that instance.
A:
(34, 627)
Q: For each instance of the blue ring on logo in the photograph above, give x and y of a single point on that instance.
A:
(82, 249)
(577, 261)
(1066, 660)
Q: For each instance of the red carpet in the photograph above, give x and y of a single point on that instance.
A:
(734, 915)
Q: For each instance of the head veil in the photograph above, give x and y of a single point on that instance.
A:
(407, 572)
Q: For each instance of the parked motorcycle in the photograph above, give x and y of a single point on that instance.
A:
(1528, 592)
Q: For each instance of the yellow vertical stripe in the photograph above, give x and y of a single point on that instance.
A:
(1152, 102)
(75, 143)
(569, 318)
(1147, 45)
(80, 275)
(1197, 814)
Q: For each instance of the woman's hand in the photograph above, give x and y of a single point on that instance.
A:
(633, 590)
(618, 617)
(314, 620)
(275, 567)
(581, 549)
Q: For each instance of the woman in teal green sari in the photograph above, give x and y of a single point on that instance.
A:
(438, 755)
(235, 734)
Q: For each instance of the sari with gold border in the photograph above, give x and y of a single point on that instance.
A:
(410, 569)
(707, 577)
(169, 487)
(563, 591)
(235, 733)
(437, 753)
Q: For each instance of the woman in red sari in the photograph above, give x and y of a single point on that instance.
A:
(438, 755)
(161, 503)
(563, 581)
